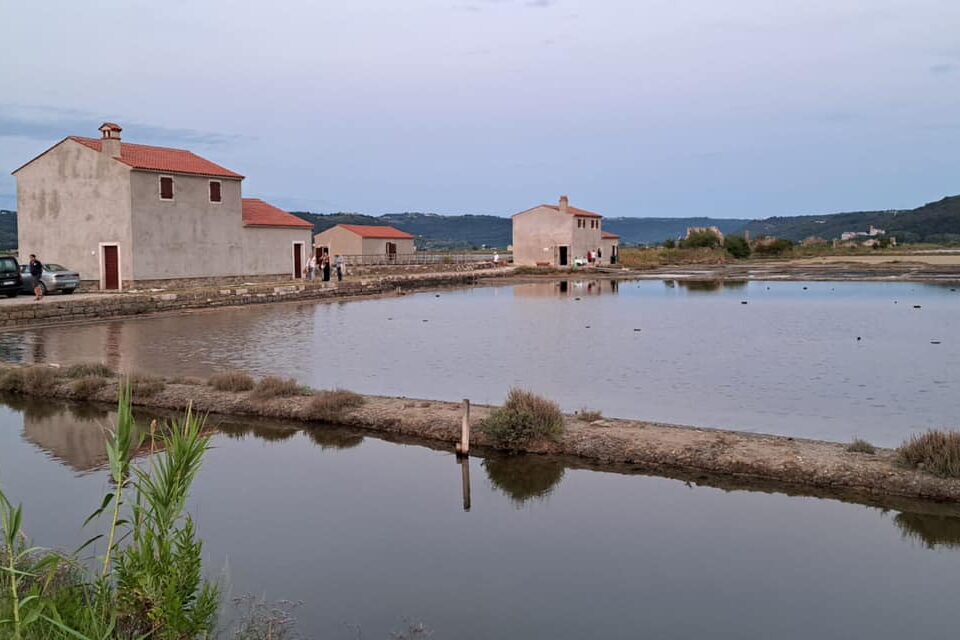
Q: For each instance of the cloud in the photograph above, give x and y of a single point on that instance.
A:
(46, 123)
(541, 3)
(943, 67)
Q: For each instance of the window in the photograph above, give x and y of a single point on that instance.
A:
(215, 191)
(166, 188)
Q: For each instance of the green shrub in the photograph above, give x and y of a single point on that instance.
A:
(525, 417)
(88, 369)
(936, 451)
(329, 406)
(273, 387)
(699, 239)
(232, 381)
(737, 246)
(775, 247)
(670, 244)
(87, 386)
(861, 446)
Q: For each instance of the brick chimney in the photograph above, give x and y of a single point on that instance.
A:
(110, 139)
(563, 204)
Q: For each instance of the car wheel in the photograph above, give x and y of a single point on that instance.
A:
(68, 291)
(12, 294)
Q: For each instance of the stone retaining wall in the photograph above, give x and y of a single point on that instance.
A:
(61, 309)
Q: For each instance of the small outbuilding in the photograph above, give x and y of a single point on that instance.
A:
(557, 236)
(360, 244)
(609, 247)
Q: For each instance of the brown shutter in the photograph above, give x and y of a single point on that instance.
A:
(166, 188)
(214, 191)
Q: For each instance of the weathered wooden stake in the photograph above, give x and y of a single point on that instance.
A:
(463, 447)
(465, 476)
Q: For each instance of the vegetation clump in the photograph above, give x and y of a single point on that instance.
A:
(145, 386)
(274, 387)
(772, 247)
(589, 415)
(859, 445)
(88, 369)
(936, 451)
(701, 239)
(232, 381)
(33, 379)
(87, 386)
(525, 417)
(329, 406)
(737, 246)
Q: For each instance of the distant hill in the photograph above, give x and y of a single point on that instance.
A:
(433, 231)
(655, 230)
(933, 222)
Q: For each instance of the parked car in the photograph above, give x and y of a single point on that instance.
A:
(10, 281)
(55, 278)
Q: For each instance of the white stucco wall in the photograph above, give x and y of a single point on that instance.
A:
(269, 250)
(69, 201)
(340, 241)
(378, 246)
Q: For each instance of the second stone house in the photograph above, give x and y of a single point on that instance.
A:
(364, 244)
(129, 215)
(559, 236)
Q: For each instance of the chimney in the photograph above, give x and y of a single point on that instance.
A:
(110, 139)
(563, 204)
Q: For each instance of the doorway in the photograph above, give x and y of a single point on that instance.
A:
(391, 252)
(110, 261)
(297, 260)
(562, 261)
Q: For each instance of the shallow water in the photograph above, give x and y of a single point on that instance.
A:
(788, 362)
(366, 533)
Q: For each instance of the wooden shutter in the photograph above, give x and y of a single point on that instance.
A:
(214, 191)
(166, 188)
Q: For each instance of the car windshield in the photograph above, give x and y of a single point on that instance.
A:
(8, 264)
(54, 267)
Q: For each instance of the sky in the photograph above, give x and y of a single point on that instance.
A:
(734, 108)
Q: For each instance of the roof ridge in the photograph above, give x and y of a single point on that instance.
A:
(137, 144)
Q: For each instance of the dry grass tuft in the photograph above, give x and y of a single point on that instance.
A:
(87, 386)
(589, 415)
(34, 380)
(525, 417)
(861, 446)
(145, 386)
(329, 406)
(273, 387)
(936, 451)
(88, 369)
(232, 381)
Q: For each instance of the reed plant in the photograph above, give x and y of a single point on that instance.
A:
(329, 406)
(274, 387)
(936, 451)
(232, 381)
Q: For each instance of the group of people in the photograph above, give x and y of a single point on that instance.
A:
(322, 267)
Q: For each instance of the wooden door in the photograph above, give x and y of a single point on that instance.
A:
(111, 268)
(297, 260)
(391, 251)
(563, 256)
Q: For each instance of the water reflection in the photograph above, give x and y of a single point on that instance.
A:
(932, 530)
(266, 432)
(699, 286)
(524, 477)
(336, 438)
(567, 288)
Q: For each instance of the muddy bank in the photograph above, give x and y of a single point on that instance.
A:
(661, 448)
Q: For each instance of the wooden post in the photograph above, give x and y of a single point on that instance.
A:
(463, 447)
(465, 477)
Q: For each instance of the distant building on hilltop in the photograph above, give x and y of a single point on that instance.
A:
(127, 215)
(558, 235)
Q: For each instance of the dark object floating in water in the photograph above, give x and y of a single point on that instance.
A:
(916, 306)
(587, 327)
(576, 298)
(934, 342)
(636, 329)
(424, 321)
(804, 288)
(437, 296)
(858, 338)
(952, 289)
(743, 302)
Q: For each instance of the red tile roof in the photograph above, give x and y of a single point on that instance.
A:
(581, 213)
(366, 231)
(257, 213)
(609, 236)
(163, 159)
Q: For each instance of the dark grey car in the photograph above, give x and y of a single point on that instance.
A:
(55, 278)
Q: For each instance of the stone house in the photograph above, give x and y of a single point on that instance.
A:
(609, 248)
(364, 244)
(557, 235)
(127, 215)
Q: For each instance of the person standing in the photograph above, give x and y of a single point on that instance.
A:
(36, 272)
(326, 267)
(339, 263)
(312, 267)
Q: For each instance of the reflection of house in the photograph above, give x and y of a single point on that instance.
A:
(556, 235)
(364, 241)
(566, 288)
(124, 214)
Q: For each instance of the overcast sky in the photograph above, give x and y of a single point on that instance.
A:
(733, 108)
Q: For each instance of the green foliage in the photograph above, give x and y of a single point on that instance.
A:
(737, 246)
(700, 239)
(936, 451)
(329, 406)
(524, 418)
(232, 381)
(861, 446)
(774, 247)
(670, 243)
